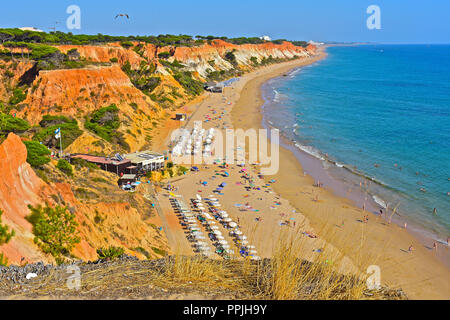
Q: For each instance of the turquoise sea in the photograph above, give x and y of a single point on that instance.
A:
(378, 115)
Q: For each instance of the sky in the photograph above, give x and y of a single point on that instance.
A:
(402, 21)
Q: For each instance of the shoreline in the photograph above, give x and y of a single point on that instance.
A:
(343, 208)
(312, 165)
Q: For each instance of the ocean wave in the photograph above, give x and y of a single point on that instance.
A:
(379, 201)
(277, 96)
(311, 151)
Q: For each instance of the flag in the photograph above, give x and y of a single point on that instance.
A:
(58, 135)
(57, 130)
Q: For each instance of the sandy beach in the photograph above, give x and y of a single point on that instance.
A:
(288, 201)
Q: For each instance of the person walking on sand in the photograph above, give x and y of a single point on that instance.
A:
(406, 225)
(435, 246)
(411, 249)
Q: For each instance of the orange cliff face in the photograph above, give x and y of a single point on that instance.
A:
(20, 187)
(76, 92)
(105, 54)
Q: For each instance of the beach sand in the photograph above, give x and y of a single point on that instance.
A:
(293, 198)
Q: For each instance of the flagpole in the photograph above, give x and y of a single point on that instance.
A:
(60, 142)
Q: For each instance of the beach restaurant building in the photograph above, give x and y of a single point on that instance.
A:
(110, 164)
(134, 163)
(146, 161)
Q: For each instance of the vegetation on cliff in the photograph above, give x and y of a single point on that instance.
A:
(5, 237)
(49, 123)
(104, 122)
(55, 230)
(65, 167)
(8, 124)
(37, 154)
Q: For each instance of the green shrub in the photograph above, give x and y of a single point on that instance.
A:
(9, 123)
(3, 260)
(164, 55)
(142, 251)
(159, 251)
(126, 44)
(231, 58)
(18, 96)
(5, 234)
(104, 123)
(55, 230)
(193, 87)
(114, 60)
(37, 154)
(110, 253)
(65, 167)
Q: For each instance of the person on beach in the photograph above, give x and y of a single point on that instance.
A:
(411, 249)
(435, 211)
(435, 246)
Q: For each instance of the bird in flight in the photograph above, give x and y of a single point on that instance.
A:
(123, 15)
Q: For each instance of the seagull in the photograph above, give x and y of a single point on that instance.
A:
(123, 15)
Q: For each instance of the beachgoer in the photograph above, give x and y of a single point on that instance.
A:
(435, 211)
(411, 249)
(435, 246)
(406, 225)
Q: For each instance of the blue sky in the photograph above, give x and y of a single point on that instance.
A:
(402, 21)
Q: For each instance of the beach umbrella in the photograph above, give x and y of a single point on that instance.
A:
(220, 238)
(253, 251)
(199, 198)
(224, 215)
(227, 220)
(244, 242)
(244, 237)
(223, 242)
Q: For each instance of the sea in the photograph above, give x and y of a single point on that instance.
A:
(376, 120)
